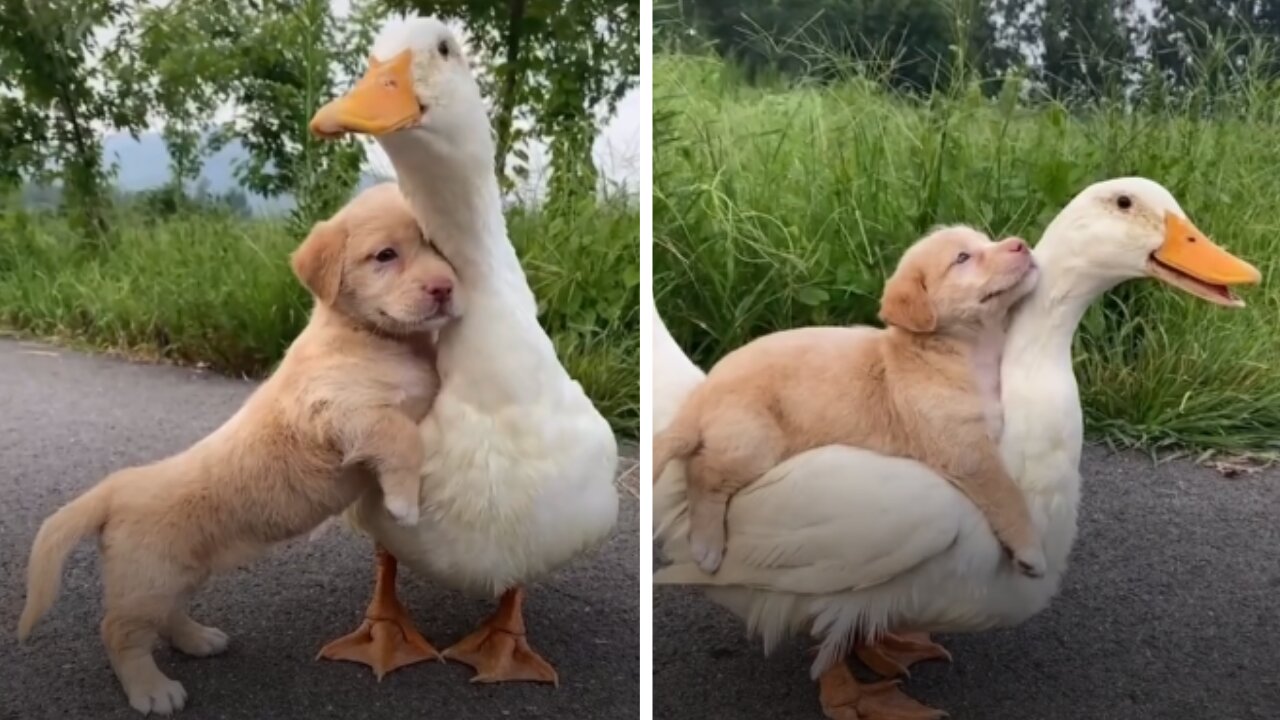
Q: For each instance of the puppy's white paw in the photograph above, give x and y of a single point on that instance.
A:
(161, 696)
(1031, 562)
(404, 512)
(201, 641)
(706, 555)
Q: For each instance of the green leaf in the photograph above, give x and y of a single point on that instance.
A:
(811, 296)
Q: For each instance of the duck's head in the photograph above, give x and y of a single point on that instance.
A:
(1133, 227)
(419, 82)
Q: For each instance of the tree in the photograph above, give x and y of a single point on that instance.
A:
(911, 44)
(295, 59)
(1087, 45)
(57, 85)
(183, 65)
(275, 62)
(22, 139)
(1206, 41)
(554, 69)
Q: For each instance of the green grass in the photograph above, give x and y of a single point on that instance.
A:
(218, 290)
(787, 205)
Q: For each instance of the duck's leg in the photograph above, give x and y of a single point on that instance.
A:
(844, 698)
(499, 651)
(386, 640)
(893, 655)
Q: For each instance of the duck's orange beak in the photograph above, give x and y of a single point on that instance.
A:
(381, 102)
(1190, 261)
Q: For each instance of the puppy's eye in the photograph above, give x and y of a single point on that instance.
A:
(443, 48)
(1124, 202)
(962, 258)
(386, 255)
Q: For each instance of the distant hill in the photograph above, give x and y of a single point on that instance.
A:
(143, 164)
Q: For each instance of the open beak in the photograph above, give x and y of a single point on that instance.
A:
(382, 102)
(1191, 262)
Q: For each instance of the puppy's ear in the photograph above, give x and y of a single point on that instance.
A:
(318, 261)
(905, 303)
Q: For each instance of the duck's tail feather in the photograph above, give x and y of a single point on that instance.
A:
(674, 375)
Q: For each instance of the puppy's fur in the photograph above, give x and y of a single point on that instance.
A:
(926, 387)
(340, 413)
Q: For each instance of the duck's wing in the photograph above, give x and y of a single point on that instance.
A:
(829, 520)
(834, 519)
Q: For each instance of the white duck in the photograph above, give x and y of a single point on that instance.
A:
(849, 545)
(520, 470)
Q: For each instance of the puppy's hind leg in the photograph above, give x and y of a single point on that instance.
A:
(708, 506)
(737, 449)
(139, 606)
(130, 634)
(193, 638)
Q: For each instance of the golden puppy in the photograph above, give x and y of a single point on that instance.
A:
(926, 387)
(341, 412)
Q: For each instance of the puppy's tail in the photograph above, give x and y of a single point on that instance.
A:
(680, 440)
(60, 533)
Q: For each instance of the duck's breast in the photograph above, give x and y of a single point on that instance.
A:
(507, 496)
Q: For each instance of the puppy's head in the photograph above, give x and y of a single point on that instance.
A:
(372, 263)
(956, 277)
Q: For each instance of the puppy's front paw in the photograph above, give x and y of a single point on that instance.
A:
(404, 511)
(1031, 562)
(201, 641)
(707, 554)
(161, 696)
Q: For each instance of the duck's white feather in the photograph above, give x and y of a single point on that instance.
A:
(519, 477)
(674, 377)
(843, 543)
(508, 496)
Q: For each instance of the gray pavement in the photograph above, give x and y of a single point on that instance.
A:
(1168, 612)
(67, 419)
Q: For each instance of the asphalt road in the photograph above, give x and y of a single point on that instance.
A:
(67, 419)
(1169, 611)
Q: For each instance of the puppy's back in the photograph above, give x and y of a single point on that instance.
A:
(820, 384)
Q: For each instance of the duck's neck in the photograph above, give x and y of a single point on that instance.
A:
(1045, 323)
(487, 357)
(454, 193)
(1038, 386)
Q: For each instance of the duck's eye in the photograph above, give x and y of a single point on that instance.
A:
(443, 48)
(1124, 202)
(962, 258)
(386, 255)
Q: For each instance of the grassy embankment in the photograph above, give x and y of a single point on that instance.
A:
(784, 205)
(217, 290)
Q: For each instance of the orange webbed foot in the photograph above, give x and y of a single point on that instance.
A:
(844, 698)
(893, 655)
(386, 640)
(499, 650)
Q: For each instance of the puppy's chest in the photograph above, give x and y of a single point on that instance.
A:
(416, 391)
(986, 371)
